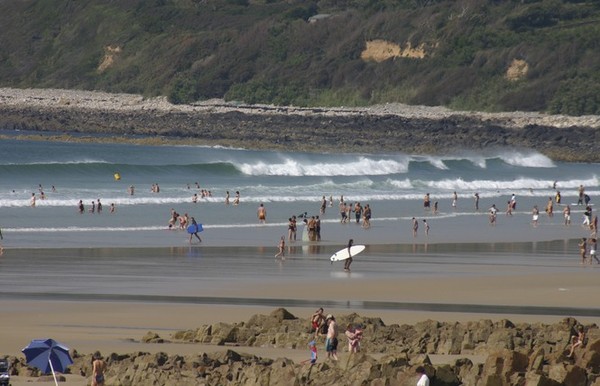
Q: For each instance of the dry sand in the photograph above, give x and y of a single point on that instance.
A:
(118, 326)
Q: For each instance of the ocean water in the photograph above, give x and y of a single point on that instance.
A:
(288, 183)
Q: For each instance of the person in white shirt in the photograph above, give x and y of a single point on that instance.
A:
(423, 379)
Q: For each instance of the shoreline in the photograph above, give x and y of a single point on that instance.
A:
(390, 127)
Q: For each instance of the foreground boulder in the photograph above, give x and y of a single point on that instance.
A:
(483, 353)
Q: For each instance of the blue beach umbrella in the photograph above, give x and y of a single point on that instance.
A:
(48, 355)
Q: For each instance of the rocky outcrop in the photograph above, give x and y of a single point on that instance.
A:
(389, 128)
(513, 354)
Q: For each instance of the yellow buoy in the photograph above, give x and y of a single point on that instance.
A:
(117, 176)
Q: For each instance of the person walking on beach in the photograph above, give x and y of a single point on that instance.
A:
(454, 200)
(583, 249)
(423, 378)
(415, 226)
(99, 207)
(557, 197)
(281, 247)
(80, 207)
(349, 259)
(236, 200)
(476, 195)
(493, 211)
(323, 206)
(262, 214)
(32, 201)
(98, 369)
(567, 215)
(587, 216)
(331, 342)
(426, 227)
(195, 233)
(593, 246)
(509, 208)
(535, 215)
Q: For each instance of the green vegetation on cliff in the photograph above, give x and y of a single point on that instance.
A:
(470, 54)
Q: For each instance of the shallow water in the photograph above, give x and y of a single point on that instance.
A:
(288, 183)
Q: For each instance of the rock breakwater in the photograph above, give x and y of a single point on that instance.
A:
(510, 354)
(385, 128)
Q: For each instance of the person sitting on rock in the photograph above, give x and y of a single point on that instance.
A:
(577, 340)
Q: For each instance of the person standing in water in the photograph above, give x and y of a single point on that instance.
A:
(281, 247)
(583, 249)
(349, 259)
(567, 215)
(262, 214)
(415, 226)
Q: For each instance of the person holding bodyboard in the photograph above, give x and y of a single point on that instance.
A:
(193, 230)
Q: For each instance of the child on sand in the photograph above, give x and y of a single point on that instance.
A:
(281, 247)
(313, 353)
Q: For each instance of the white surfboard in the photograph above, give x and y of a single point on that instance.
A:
(342, 254)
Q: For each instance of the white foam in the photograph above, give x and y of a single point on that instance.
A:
(359, 166)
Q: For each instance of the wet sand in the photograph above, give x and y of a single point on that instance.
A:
(107, 298)
(117, 326)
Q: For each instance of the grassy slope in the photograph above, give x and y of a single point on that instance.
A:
(267, 52)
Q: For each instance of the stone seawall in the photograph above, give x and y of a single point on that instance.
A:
(389, 128)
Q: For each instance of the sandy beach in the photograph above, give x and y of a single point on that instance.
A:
(117, 326)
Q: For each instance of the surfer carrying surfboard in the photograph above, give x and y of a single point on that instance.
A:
(349, 259)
